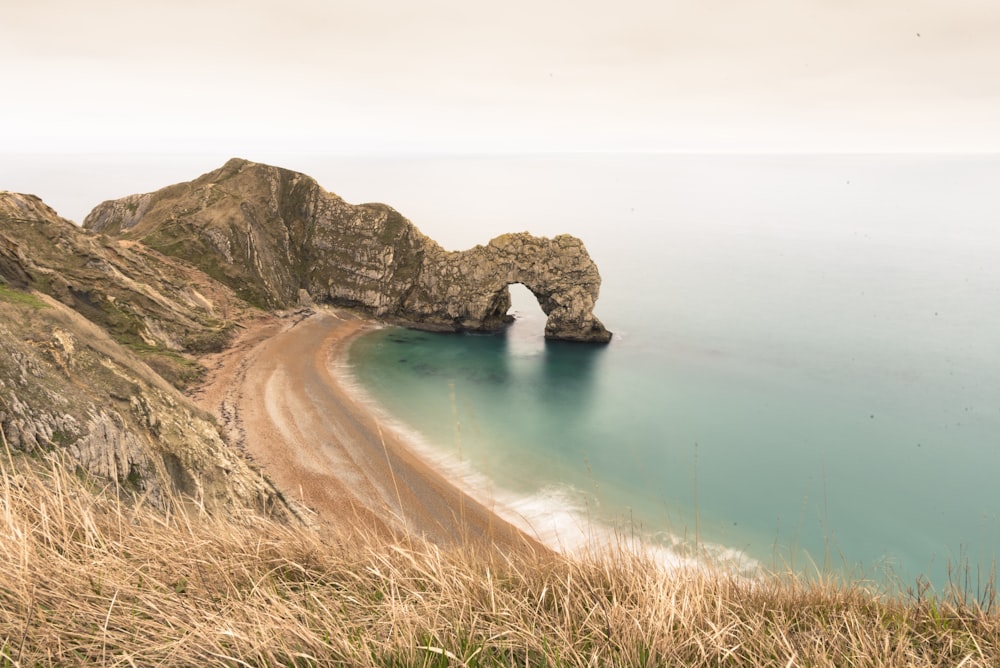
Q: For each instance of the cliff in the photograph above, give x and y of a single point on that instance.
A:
(90, 328)
(276, 237)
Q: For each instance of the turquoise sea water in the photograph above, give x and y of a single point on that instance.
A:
(805, 365)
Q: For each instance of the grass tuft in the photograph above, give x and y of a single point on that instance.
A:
(87, 579)
(20, 297)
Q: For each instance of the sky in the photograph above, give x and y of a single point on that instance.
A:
(256, 77)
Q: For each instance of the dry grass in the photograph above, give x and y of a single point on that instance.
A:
(85, 579)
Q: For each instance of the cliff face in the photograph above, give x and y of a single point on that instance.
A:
(89, 329)
(276, 237)
(158, 306)
(268, 233)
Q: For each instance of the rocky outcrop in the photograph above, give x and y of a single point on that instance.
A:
(69, 390)
(89, 329)
(161, 307)
(470, 289)
(274, 235)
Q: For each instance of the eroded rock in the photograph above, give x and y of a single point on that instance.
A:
(271, 233)
(70, 389)
(161, 307)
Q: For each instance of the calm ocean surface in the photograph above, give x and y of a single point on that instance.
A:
(805, 366)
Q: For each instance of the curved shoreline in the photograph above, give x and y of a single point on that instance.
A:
(279, 401)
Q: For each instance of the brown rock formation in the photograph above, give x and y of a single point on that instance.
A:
(470, 289)
(89, 329)
(271, 233)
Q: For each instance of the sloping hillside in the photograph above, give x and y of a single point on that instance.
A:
(96, 338)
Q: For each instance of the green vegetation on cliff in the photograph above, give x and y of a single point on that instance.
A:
(19, 297)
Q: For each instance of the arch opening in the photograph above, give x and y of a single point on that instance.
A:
(525, 305)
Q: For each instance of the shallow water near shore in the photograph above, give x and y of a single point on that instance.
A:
(804, 369)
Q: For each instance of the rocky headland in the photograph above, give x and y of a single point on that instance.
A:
(278, 239)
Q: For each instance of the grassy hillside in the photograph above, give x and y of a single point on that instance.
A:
(86, 580)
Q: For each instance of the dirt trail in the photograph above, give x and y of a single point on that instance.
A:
(277, 397)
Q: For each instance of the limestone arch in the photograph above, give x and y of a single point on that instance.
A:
(471, 289)
(568, 310)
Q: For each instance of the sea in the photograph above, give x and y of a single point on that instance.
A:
(804, 374)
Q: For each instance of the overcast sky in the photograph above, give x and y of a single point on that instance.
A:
(392, 76)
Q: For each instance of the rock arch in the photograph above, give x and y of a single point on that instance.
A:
(470, 289)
